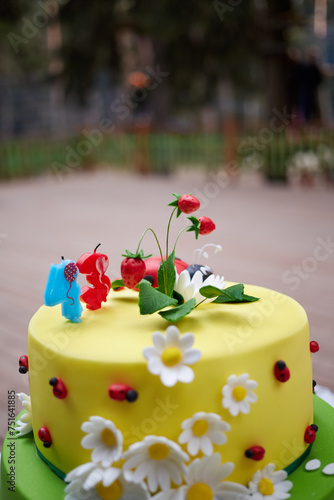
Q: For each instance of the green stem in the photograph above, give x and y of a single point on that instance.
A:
(156, 238)
(160, 250)
(200, 303)
(178, 236)
(168, 228)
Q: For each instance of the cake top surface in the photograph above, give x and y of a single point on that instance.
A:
(118, 333)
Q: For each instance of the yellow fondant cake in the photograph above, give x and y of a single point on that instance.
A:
(230, 399)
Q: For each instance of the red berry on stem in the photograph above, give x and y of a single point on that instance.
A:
(207, 225)
(188, 203)
(132, 271)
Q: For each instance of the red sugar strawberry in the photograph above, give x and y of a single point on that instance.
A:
(133, 269)
(207, 225)
(187, 203)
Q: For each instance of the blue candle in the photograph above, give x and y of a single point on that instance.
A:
(62, 288)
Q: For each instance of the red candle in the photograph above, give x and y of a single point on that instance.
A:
(94, 265)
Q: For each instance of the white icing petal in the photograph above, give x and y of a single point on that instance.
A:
(328, 470)
(159, 341)
(313, 464)
(186, 341)
(191, 356)
(172, 336)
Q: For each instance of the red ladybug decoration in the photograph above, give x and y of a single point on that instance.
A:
(23, 364)
(310, 433)
(314, 346)
(152, 266)
(120, 392)
(255, 453)
(282, 372)
(45, 436)
(59, 388)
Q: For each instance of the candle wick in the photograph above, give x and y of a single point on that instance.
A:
(97, 247)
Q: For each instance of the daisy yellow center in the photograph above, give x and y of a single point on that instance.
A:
(108, 437)
(200, 428)
(112, 492)
(171, 356)
(158, 451)
(239, 393)
(266, 487)
(200, 491)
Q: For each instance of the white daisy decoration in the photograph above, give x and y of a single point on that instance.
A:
(238, 394)
(92, 482)
(202, 431)
(189, 287)
(104, 439)
(24, 423)
(156, 459)
(269, 484)
(170, 355)
(205, 480)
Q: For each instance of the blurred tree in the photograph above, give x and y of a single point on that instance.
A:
(199, 43)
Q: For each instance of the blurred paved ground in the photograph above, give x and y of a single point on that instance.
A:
(272, 235)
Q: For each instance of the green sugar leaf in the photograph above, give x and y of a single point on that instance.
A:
(179, 312)
(210, 291)
(234, 293)
(151, 300)
(167, 275)
(117, 284)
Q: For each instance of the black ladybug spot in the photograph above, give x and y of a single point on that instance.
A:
(149, 278)
(131, 396)
(53, 381)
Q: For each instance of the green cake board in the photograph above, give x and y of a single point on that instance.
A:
(34, 480)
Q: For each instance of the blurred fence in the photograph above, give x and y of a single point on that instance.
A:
(146, 151)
